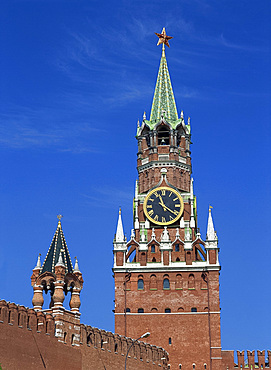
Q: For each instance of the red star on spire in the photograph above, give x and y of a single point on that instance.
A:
(163, 38)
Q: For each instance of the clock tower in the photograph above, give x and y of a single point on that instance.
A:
(166, 275)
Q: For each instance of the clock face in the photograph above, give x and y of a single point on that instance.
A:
(163, 206)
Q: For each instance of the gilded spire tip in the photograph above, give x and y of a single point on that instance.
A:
(59, 220)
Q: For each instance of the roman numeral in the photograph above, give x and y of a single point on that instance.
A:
(151, 212)
(151, 199)
(171, 218)
(156, 194)
(170, 194)
(163, 192)
(156, 218)
(149, 206)
(177, 205)
(175, 199)
(176, 213)
(163, 219)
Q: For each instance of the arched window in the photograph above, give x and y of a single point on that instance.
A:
(154, 309)
(128, 309)
(180, 366)
(179, 282)
(116, 347)
(194, 309)
(140, 310)
(166, 284)
(180, 309)
(167, 310)
(140, 284)
(153, 249)
(177, 259)
(191, 281)
(177, 247)
(203, 283)
(163, 135)
(153, 282)
(169, 341)
(194, 366)
(65, 337)
(154, 259)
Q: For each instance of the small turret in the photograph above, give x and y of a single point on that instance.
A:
(120, 233)
(119, 243)
(211, 241)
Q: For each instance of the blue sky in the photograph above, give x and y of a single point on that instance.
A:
(75, 78)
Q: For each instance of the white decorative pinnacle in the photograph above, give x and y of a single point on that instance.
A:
(143, 236)
(60, 259)
(136, 224)
(192, 219)
(165, 235)
(187, 236)
(120, 233)
(132, 233)
(138, 123)
(177, 233)
(76, 266)
(38, 265)
(182, 114)
(144, 115)
(153, 236)
(211, 234)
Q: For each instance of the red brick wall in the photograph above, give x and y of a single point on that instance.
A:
(189, 331)
(23, 347)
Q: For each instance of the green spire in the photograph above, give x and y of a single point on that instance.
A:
(163, 98)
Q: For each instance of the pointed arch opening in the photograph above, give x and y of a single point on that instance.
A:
(163, 135)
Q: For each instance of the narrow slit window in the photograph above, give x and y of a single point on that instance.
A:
(140, 284)
(166, 284)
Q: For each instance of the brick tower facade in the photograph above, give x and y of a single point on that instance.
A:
(166, 276)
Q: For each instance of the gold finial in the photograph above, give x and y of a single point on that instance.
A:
(210, 207)
(59, 219)
(163, 38)
(120, 211)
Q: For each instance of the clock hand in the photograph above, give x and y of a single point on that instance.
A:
(162, 203)
(165, 207)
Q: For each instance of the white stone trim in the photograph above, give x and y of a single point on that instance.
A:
(168, 313)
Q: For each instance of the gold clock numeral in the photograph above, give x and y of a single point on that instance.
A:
(156, 218)
(176, 213)
(170, 194)
(171, 218)
(163, 192)
(151, 212)
(177, 205)
(151, 199)
(163, 219)
(175, 199)
(156, 194)
(149, 206)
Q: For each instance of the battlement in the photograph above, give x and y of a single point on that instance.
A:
(250, 361)
(26, 318)
(29, 338)
(246, 360)
(119, 344)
